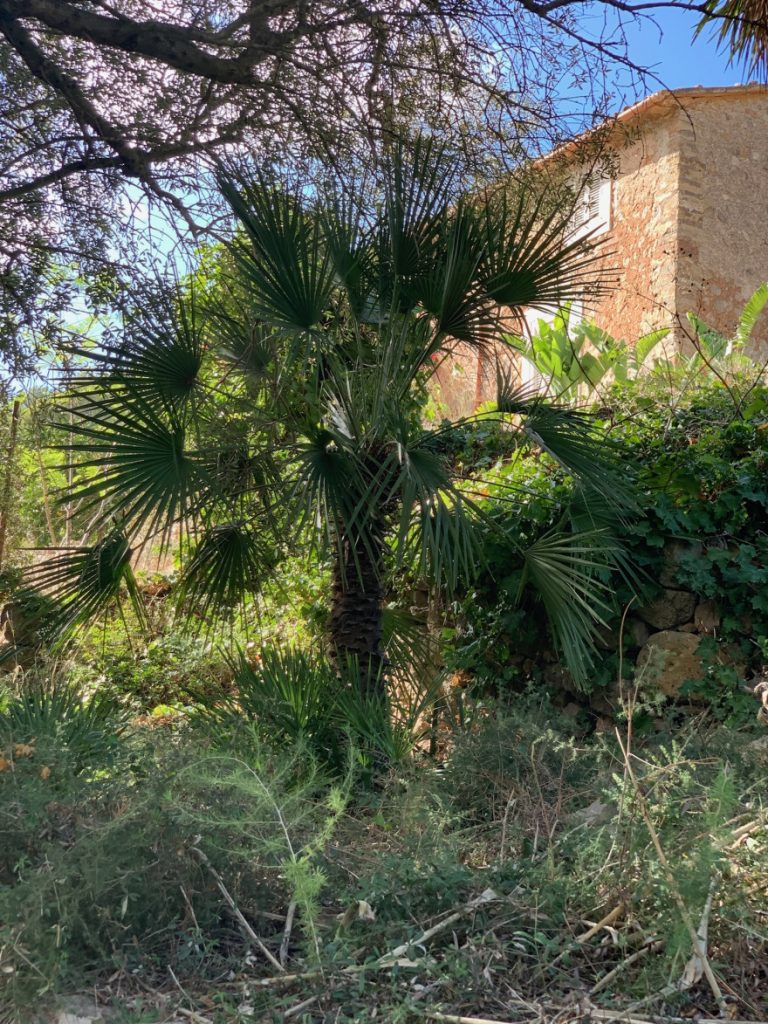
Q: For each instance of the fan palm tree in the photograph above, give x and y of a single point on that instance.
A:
(285, 403)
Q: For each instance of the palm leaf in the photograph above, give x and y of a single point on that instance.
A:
(529, 261)
(563, 570)
(86, 580)
(229, 563)
(143, 472)
(159, 360)
(450, 292)
(352, 251)
(287, 264)
(571, 437)
(742, 28)
(419, 186)
(327, 485)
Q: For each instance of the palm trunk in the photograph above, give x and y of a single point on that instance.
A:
(356, 612)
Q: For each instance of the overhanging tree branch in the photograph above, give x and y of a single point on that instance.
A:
(43, 68)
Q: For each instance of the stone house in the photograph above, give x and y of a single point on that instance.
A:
(675, 188)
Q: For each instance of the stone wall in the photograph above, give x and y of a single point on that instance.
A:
(723, 235)
(642, 238)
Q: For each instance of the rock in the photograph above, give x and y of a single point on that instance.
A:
(597, 813)
(637, 631)
(706, 617)
(669, 659)
(571, 710)
(757, 750)
(688, 627)
(670, 608)
(557, 677)
(674, 551)
(80, 1010)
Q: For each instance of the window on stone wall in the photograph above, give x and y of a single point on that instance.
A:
(592, 213)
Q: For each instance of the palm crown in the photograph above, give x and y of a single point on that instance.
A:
(284, 402)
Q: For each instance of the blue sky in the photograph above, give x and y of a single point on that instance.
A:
(669, 50)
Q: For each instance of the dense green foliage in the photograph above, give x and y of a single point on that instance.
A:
(700, 458)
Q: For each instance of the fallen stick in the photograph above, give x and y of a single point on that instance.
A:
(606, 921)
(387, 959)
(198, 1018)
(305, 1004)
(621, 1015)
(286, 979)
(609, 918)
(286, 941)
(451, 1018)
(609, 977)
(236, 910)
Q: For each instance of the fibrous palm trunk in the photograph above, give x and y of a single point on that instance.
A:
(356, 613)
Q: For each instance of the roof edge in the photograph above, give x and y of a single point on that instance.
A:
(657, 104)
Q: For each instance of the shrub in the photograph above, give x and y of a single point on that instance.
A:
(115, 866)
(297, 697)
(699, 458)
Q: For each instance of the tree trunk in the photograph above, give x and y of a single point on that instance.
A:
(5, 500)
(356, 614)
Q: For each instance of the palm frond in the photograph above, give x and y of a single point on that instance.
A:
(229, 563)
(244, 343)
(327, 486)
(287, 264)
(436, 532)
(353, 254)
(410, 648)
(290, 691)
(159, 359)
(143, 473)
(741, 26)
(450, 292)
(419, 186)
(85, 581)
(563, 569)
(571, 437)
(529, 259)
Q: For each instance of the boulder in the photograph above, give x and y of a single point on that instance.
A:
(674, 551)
(671, 608)
(706, 617)
(669, 659)
(637, 631)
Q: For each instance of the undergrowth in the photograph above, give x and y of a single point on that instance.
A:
(162, 861)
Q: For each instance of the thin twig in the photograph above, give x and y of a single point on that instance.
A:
(198, 1018)
(488, 896)
(305, 1004)
(699, 946)
(452, 1018)
(606, 921)
(251, 934)
(286, 941)
(609, 977)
